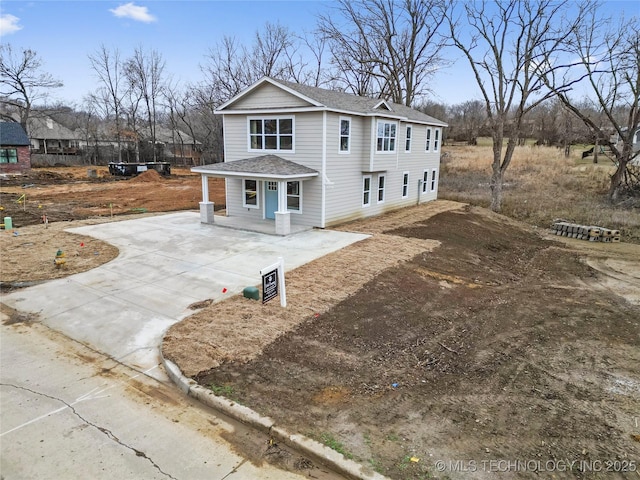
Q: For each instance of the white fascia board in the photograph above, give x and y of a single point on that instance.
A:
(270, 111)
(261, 176)
(263, 80)
(383, 102)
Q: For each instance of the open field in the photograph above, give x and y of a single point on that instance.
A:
(541, 185)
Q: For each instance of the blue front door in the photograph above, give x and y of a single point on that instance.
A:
(270, 199)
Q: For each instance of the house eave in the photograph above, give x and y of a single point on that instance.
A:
(286, 111)
(273, 82)
(254, 175)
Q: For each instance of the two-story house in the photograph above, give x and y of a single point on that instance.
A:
(300, 155)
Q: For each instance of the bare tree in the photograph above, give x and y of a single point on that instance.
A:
(511, 46)
(232, 66)
(308, 68)
(609, 52)
(145, 74)
(225, 69)
(272, 53)
(386, 48)
(466, 121)
(107, 67)
(22, 81)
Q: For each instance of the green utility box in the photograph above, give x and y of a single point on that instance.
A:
(251, 292)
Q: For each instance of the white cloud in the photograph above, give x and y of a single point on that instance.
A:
(9, 24)
(134, 12)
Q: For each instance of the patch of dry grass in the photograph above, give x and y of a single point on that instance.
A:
(540, 186)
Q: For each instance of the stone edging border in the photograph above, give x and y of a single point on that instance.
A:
(304, 445)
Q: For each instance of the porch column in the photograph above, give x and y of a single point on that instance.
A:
(206, 207)
(283, 217)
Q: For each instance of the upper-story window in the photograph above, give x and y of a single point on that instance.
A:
(271, 133)
(407, 143)
(436, 139)
(386, 138)
(427, 146)
(345, 134)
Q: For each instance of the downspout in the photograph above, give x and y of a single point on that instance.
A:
(323, 173)
(372, 142)
(419, 190)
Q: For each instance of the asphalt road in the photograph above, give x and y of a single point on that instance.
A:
(69, 412)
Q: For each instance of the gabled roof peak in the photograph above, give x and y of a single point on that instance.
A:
(339, 101)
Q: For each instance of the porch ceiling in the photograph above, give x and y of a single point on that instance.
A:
(265, 166)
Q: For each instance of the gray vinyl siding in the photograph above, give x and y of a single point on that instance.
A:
(307, 152)
(344, 172)
(268, 96)
(235, 200)
(344, 196)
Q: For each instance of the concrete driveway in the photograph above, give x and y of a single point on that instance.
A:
(166, 263)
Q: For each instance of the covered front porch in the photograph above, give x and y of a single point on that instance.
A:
(265, 226)
(270, 193)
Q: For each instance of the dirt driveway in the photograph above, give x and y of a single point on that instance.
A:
(496, 346)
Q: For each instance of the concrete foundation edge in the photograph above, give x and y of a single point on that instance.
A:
(304, 445)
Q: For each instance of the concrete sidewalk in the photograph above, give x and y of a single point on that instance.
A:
(166, 263)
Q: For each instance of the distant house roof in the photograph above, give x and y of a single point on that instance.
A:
(167, 135)
(12, 134)
(48, 128)
(337, 101)
(265, 166)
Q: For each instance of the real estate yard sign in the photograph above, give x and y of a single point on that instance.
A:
(269, 285)
(273, 282)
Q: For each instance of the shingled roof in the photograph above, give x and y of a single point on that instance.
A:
(265, 166)
(12, 134)
(344, 102)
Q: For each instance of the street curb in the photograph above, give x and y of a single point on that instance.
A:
(304, 445)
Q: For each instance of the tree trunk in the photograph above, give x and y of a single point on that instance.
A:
(616, 183)
(496, 190)
(595, 151)
(496, 175)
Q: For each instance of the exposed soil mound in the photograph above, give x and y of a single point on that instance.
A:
(147, 177)
(69, 193)
(491, 347)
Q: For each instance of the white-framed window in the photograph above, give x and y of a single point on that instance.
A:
(381, 184)
(249, 193)
(407, 142)
(433, 181)
(366, 190)
(436, 139)
(405, 184)
(272, 133)
(425, 181)
(345, 135)
(427, 146)
(294, 196)
(386, 136)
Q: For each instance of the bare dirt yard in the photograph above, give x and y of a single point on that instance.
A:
(476, 343)
(452, 343)
(69, 197)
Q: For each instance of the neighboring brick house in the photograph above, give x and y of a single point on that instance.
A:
(15, 154)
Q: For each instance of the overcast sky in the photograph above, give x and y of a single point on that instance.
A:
(64, 33)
